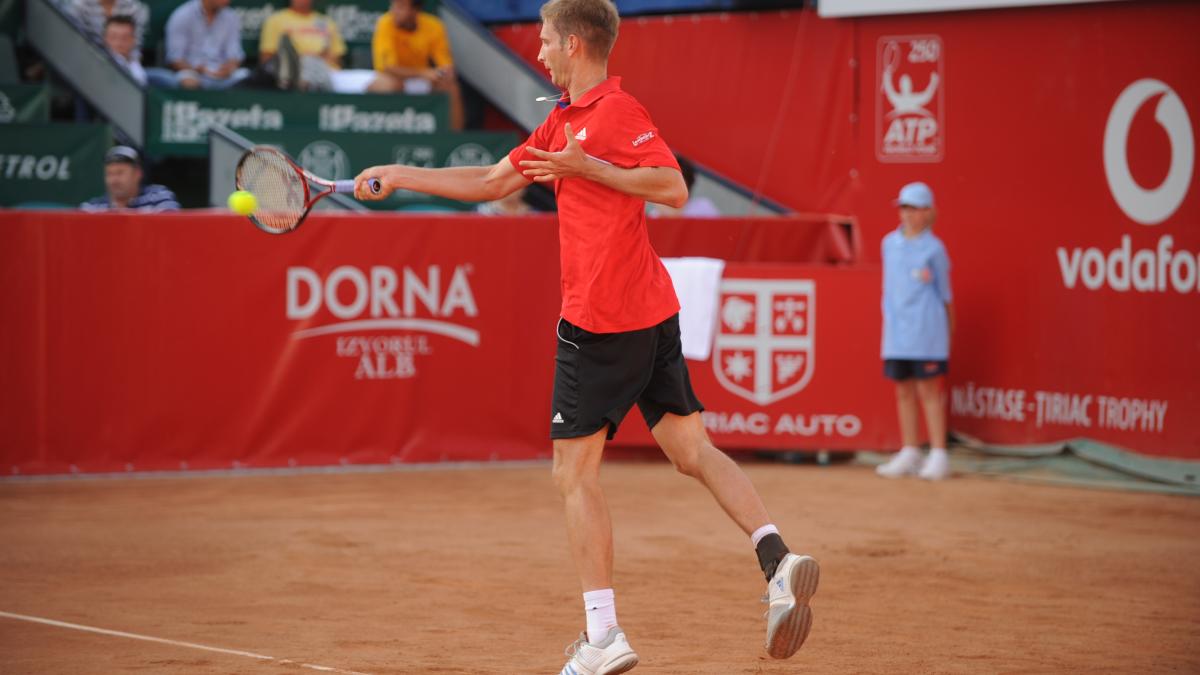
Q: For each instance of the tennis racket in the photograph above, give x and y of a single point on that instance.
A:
(284, 190)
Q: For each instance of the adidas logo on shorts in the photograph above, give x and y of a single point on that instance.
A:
(557, 418)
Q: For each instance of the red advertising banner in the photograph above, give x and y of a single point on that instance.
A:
(795, 363)
(1068, 201)
(194, 341)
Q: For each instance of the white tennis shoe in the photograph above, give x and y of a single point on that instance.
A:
(610, 656)
(789, 617)
(904, 463)
(936, 466)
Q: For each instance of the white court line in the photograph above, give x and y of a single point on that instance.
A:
(174, 643)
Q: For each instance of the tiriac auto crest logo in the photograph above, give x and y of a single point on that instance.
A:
(763, 351)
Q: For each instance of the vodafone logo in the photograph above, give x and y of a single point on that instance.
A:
(1162, 268)
(1149, 207)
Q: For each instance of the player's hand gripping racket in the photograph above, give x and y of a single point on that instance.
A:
(284, 190)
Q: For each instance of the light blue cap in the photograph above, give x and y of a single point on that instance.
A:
(917, 195)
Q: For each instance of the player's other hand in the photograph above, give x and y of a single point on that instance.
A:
(569, 162)
(362, 188)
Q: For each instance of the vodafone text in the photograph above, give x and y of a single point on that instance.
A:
(1146, 270)
(763, 424)
(1048, 408)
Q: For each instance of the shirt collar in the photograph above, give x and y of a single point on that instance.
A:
(594, 94)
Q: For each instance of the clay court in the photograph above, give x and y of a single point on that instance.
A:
(466, 571)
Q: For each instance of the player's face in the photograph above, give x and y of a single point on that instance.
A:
(553, 55)
(119, 38)
(121, 179)
(301, 6)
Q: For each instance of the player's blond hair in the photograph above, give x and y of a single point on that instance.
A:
(593, 21)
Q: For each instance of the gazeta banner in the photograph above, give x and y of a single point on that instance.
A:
(338, 156)
(178, 121)
(52, 164)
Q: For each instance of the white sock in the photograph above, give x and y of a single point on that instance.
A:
(601, 609)
(761, 532)
(910, 449)
(937, 451)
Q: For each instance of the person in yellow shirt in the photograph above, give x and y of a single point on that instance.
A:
(412, 54)
(317, 46)
(311, 33)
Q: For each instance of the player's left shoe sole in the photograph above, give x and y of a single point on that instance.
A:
(793, 623)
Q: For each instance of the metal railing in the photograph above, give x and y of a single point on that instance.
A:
(87, 67)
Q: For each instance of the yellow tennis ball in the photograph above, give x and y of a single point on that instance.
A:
(242, 202)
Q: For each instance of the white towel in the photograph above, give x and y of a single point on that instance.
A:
(697, 283)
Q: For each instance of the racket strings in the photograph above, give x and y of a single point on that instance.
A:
(277, 186)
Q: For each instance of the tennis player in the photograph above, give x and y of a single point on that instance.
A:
(618, 334)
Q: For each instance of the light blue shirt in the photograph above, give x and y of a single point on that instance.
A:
(192, 39)
(916, 288)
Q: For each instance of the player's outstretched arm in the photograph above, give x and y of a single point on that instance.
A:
(658, 184)
(464, 183)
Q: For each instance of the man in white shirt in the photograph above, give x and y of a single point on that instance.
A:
(119, 32)
(204, 47)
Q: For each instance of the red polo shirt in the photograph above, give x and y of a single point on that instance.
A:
(612, 280)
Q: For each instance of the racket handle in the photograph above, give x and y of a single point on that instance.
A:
(347, 186)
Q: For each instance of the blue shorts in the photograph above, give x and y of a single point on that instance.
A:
(906, 369)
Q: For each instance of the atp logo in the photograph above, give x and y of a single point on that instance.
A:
(910, 99)
(763, 350)
(1153, 206)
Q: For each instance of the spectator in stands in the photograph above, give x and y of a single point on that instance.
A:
(412, 55)
(119, 38)
(93, 15)
(204, 48)
(697, 206)
(918, 321)
(314, 60)
(123, 182)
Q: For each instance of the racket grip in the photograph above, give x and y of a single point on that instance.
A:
(347, 186)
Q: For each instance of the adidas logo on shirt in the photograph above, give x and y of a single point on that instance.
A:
(557, 418)
(582, 135)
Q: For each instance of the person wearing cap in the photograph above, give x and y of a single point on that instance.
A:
(123, 183)
(918, 320)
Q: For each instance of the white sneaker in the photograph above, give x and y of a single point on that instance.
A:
(789, 617)
(906, 462)
(610, 656)
(936, 466)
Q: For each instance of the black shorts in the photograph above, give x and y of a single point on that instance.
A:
(599, 376)
(907, 369)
